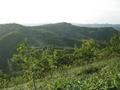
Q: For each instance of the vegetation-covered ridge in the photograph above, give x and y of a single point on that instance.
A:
(91, 66)
(60, 35)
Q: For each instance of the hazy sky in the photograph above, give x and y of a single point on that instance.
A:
(52, 11)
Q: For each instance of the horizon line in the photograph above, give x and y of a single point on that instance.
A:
(36, 24)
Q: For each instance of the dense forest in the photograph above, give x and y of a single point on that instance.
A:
(59, 57)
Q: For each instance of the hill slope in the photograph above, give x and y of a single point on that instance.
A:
(53, 35)
(101, 75)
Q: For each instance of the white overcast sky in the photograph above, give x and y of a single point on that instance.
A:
(52, 11)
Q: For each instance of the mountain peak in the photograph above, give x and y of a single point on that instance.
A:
(64, 23)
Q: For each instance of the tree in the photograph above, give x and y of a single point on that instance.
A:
(87, 51)
(47, 61)
(34, 62)
(26, 62)
(61, 57)
(114, 45)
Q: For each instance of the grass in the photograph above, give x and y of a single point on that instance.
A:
(102, 75)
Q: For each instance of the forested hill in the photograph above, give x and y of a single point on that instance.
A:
(115, 26)
(63, 35)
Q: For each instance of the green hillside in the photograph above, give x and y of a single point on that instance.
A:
(102, 75)
(87, 67)
(63, 35)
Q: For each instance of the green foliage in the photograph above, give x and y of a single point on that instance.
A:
(88, 51)
(107, 78)
(63, 35)
(61, 57)
(57, 68)
(115, 44)
(27, 63)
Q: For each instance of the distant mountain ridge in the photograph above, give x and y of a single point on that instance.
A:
(115, 26)
(63, 35)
